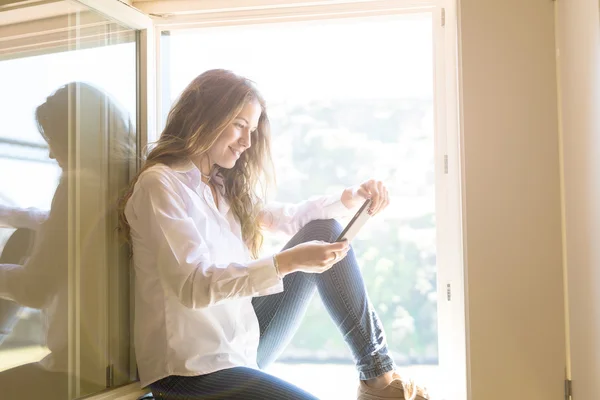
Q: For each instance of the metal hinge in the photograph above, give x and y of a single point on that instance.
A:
(568, 389)
(110, 376)
(445, 163)
(448, 291)
(443, 17)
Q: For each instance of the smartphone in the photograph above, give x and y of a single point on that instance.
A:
(357, 222)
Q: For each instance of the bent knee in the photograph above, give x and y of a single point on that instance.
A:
(327, 230)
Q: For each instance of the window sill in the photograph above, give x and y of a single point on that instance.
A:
(132, 391)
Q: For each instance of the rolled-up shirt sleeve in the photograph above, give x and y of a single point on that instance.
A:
(182, 254)
(16, 217)
(290, 218)
(36, 281)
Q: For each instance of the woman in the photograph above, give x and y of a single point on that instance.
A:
(209, 313)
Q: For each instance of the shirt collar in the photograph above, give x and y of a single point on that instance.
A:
(184, 166)
(188, 168)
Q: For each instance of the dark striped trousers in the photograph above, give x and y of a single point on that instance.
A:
(344, 295)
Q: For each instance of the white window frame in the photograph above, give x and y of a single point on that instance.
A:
(146, 128)
(188, 14)
(182, 14)
(146, 131)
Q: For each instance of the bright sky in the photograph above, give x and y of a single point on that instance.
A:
(387, 57)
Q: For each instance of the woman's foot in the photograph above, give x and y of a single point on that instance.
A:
(394, 389)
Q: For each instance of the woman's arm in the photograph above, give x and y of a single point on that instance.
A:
(16, 217)
(290, 218)
(33, 283)
(19, 284)
(158, 214)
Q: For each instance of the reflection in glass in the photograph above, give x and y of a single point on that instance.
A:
(67, 149)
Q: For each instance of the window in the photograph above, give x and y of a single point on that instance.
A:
(348, 99)
(68, 145)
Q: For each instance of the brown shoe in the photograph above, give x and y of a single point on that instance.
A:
(398, 389)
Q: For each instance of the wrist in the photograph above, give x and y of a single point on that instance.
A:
(347, 197)
(283, 263)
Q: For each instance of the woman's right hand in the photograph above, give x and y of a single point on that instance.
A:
(312, 257)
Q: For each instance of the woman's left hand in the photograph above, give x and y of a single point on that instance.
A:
(371, 189)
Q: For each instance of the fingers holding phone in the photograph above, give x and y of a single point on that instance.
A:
(338, 255)
(372, 189)
(312, 257)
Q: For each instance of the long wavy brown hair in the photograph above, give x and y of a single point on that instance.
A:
(206, 107)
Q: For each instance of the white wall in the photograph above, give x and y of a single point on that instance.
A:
(579, 65)
(511, 200)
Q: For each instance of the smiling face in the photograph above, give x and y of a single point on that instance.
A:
(237, 137)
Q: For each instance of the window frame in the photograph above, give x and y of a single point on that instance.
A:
(452, 319)
(146, 128)
(152, 18)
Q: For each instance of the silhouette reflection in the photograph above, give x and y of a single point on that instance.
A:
(61, 261)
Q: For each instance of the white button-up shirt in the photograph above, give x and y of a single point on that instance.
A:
(194, 277)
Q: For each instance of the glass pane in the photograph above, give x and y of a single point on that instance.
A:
(67, 149)
(348, 100)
